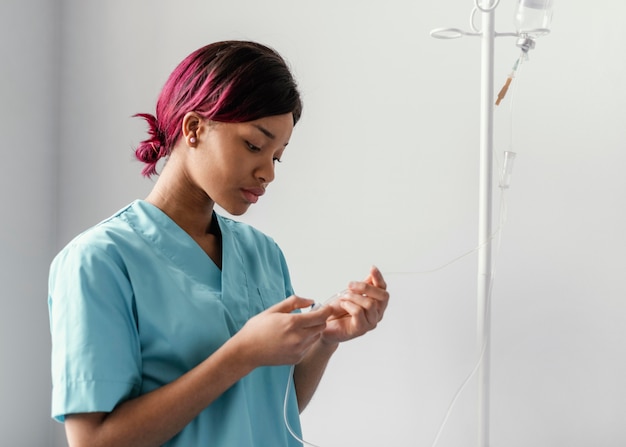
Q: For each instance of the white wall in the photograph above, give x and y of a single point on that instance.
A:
(383, 169)
(29, 86)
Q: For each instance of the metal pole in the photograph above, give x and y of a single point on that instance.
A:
(485, 220)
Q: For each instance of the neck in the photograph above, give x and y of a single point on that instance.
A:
(181, 200)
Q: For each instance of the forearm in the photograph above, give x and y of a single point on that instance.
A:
(152, 419)
(309, 372)
(276, 336)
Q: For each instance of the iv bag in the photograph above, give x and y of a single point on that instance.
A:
(533, 17)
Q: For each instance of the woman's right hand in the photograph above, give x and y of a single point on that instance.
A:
(274, 337)
(278, 336)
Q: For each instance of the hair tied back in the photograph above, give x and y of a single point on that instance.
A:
(151, 150)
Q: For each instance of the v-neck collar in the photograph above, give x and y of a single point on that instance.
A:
(173, 242)
(166, 236)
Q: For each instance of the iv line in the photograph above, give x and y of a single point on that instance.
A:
(497, 235)
(291, 371)
(502, 220)
(291, 432)
(485, 342)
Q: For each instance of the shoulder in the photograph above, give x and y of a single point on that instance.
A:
(108, 237)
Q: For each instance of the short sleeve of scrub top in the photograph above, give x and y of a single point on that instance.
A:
(135, 303)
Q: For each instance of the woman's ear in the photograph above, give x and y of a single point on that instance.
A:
(191, 124)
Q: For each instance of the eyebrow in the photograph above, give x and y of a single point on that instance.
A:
(266, 132)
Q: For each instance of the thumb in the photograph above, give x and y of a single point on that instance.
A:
(290, 304)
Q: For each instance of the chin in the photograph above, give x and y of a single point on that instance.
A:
(236, 210)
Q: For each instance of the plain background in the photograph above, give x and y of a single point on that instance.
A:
(383, 169)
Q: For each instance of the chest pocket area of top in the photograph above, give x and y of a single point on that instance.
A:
(262, 298)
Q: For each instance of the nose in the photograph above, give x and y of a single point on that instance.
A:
(265, 172)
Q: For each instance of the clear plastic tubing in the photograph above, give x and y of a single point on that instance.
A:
(507, 169)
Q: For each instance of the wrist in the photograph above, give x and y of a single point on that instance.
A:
(326, 346)
(243, 356)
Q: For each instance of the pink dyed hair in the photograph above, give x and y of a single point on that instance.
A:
(230, 81)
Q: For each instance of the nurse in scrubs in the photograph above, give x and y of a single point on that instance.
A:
(173, 325)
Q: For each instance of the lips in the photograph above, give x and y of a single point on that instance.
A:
(252, 194)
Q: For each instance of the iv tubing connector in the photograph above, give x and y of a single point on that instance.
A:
(525, 43)
(507, 169)
(504, 89)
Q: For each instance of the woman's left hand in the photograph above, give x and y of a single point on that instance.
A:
(358, 310)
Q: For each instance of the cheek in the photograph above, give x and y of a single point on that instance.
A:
(222, 174)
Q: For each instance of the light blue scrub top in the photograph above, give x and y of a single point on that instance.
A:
(135, 303)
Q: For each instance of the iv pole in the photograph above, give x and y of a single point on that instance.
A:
(485, 193)
(485, 204)
(485, 211)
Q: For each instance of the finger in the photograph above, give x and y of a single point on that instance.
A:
(368, 306)
(363, 319)
(373, 299)
(370, 290)
(316, 317)
(376, 278)
(290, 304)
(380, 295)
(337, 310)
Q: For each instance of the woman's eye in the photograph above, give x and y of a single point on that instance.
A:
(252, 147)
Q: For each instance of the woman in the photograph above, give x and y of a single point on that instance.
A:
(173, 325)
